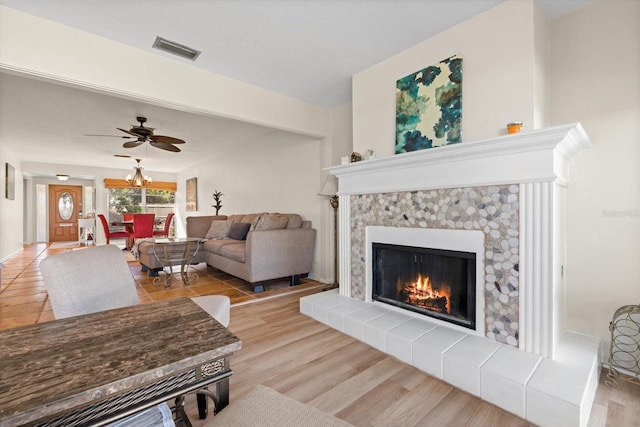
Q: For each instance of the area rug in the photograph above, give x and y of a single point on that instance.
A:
(266, 407)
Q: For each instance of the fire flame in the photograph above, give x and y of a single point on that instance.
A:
(421, 293)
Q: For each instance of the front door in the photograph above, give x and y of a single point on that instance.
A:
(65, 201)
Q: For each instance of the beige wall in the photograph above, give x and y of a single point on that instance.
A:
(10, 210)
(595, 79)
(500, 77)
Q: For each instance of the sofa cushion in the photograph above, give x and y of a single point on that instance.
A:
(234, 251)
(239, 231)
(272, 222)
(219, 229)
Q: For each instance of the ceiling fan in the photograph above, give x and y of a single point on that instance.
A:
(144, 134)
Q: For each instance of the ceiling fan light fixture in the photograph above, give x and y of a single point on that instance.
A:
(138, 179)
(175, 48)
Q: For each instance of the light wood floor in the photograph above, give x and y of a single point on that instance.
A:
(318, 365)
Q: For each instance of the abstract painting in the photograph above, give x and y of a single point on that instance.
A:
(429, 107)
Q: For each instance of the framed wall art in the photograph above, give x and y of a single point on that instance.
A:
(192, 195)
(9, 182)
(429, 107)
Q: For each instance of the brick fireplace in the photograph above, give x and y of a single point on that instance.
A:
(508, 194)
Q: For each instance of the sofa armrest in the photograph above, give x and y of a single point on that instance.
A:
(279, 253)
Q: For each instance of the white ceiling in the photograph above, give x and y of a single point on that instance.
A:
(306, 49)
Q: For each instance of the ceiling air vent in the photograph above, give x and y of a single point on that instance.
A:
(176, 48)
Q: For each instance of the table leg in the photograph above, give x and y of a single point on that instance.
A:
(203, 410)
(222, 391)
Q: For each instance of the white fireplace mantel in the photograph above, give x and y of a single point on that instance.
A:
(535, 156)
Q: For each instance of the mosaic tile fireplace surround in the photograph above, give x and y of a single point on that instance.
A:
(511, 192)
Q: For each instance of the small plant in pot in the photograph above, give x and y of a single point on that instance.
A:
(217, 197)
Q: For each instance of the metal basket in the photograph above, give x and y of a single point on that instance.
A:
(624, 352)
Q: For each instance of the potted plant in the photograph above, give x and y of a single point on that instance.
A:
(217, 197)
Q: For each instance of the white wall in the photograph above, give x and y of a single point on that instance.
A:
(500, 76)
(10, 210)
(595, 79)
(275, 174)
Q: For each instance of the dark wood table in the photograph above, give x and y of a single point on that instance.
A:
(100, 367)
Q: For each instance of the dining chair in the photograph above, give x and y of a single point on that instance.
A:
(167, 224)
(111, 234)
(143, 225)
(97, 279)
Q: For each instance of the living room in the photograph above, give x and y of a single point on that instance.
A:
(518, 66)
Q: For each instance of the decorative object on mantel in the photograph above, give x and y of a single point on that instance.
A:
(192, 194)
(514, 127)
(217, 197)
(345, 160)
(369, 154)
(624, 351)
(138, 180)
(330, 189)
(429, 107)
(356, 157)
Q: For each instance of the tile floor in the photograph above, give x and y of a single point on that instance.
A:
(24, 301)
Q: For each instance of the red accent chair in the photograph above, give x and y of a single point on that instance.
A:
(112, 234)
(167, 224)
(142, 225)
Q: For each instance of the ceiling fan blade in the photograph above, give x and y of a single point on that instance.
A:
(166, 139)
(109, 136)
(164, 146)
(129, 132)
(131, 144)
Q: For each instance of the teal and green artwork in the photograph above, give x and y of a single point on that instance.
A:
(429, 107)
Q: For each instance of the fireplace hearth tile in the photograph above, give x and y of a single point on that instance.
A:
(375, 330)
(504, 376)
(428, 350)
(462, 362)
(321, 308)
(400, 339)
(561, 391)
(307, 303)
(336, 314)
(354, 322)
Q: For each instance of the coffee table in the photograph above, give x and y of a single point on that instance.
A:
(173, 251)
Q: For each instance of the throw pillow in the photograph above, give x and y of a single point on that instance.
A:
(219, 229)
(239, 231)
(272, 222)
(295, 221)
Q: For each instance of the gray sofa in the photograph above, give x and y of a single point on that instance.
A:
(275, 246)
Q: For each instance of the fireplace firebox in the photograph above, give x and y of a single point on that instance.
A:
(434, 282)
